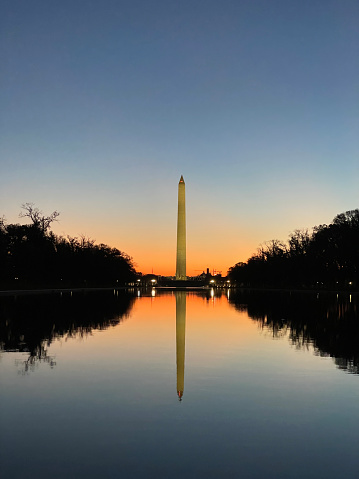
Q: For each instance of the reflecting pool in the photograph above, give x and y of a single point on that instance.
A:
(170, 384)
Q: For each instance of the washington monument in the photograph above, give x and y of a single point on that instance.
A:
(181, 232)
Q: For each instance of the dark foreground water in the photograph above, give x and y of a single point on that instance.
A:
(179, 385)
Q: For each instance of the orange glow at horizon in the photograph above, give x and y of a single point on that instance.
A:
(199, 258)
(219, 235)
(157, 251)
(215, 239)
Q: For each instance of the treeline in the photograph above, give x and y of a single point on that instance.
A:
(31, 255)
(327, 257)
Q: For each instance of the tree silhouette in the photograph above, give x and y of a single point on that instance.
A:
(326, 258)
(32, 255)
(38, 219)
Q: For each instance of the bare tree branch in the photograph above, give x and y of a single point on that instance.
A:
(37, 217)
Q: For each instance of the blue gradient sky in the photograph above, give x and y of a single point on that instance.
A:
(105, 104)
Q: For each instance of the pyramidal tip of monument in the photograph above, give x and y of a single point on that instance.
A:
(181, 179)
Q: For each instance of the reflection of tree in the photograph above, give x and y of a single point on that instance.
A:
(328, 322)
(30, 323)
(35, 358)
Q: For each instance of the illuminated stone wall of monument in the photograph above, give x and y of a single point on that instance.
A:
(181, 232)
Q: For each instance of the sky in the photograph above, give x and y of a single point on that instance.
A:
(105, 104)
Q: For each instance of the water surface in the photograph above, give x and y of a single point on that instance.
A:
(197, 385)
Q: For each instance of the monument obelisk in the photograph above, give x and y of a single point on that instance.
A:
(181, 232)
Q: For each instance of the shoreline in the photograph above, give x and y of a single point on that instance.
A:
(15, 292)
(12, 292)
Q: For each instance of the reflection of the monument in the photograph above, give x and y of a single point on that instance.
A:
(180, 339)
(29, 323)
